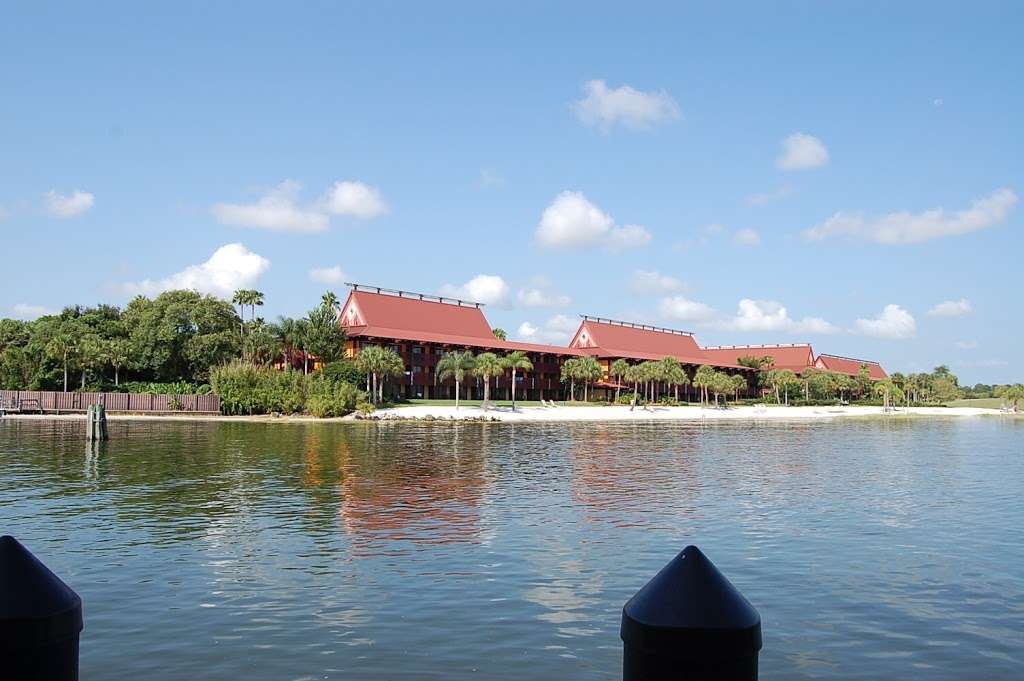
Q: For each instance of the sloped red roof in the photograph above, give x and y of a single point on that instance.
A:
(410, 314)
(638, 342)
(793, 357)
(380, 315)
(849, 366)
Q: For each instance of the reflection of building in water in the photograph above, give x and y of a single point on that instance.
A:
(427, 491)
(634, 475)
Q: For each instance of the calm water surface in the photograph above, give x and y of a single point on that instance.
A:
(873, 550)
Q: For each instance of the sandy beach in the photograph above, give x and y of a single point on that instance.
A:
(654, 413)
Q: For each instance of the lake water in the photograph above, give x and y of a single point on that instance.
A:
(872, 549)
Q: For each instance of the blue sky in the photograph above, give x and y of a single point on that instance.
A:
(831, 173)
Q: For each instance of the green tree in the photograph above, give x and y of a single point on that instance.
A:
(672, 372)
(517, 361)
(323, 336)
(784, 380)
(330, 300)
(703, 379)
(262, 344)
(487, 366)
(92, 355)
(590, 370)
(570, 374)
(500, 333)
(618, 370)
(63, 346)
(888, 391)
(455, 365)
(1013, 395)
(720, 384)
(634, 374)
(739, 382)
(119, 354)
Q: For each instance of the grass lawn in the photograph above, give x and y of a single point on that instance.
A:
(981, 403)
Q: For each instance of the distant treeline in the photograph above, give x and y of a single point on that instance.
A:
(167, 344)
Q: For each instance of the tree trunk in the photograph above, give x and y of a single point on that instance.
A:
(65, 372)
(117, 377)
(636, 390)
(305, 363)
(677, 392)
(572, 390)
(487, 392)
(617, 388)
(456, 394)
(374, 394)
(83, 379)
(513, 389)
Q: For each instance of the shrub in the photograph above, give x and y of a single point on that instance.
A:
(365, 408)
(247, 389)
(627, 398)
(344, 371)
(669, 401)
(175, 388)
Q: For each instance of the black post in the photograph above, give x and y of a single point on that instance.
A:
(40, 619)
(689, 623)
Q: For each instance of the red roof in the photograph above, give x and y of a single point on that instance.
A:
(407, 317)
(793, 357)
(850, 367)
(640, 342)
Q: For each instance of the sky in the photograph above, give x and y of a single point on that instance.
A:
(847, 174)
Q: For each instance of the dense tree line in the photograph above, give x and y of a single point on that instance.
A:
(177, 337)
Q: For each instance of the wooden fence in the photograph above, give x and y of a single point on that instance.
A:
(40, 400)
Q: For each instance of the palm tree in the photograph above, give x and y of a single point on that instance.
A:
(784, 379)
(887, 390)
(455, 365)
(500, 333)
(515, 361)
(618, 370)
(92, 355)
(118, 354)
(672, 373)
(286, 334)
(720, 384)
(703, 379)
(739, 382)
(488, 365)
(330, 300)
(570, 372)
(62, 346)
(590, 370)
(634, 374)
(254, 301)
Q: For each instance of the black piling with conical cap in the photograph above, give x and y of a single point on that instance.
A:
(690, 623)
(40, 619)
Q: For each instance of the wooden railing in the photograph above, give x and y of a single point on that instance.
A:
(48, 401)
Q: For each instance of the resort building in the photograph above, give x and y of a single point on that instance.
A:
(849, 366)
(795, 357)
(422, 328)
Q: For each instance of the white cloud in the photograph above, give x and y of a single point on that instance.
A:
(231, 267)
(908, 228)
(747, 237)
(982, 363)
(763, 198)
(541, 296)
(652, 282)
(276, 210)
(680, 308)
(572, 221)
(951, 308)
(327, 275)
(801, 152)
(29, 312)
(489, 178)
(489, 289)
(771, 315)
(355, 199)
(967, 345)
(63, 207)
(893, 323)
(556, 330)
(603, 107)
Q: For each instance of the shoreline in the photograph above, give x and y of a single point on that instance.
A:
(559, 414)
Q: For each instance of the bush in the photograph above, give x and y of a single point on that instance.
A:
(344, 371)
(669, 401)
(365, 408)
(627, 398)
(333, 400)
(247, 389)
(175, 388)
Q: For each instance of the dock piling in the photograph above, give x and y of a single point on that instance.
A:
(40, 619)
(96, 423)
(689, 623)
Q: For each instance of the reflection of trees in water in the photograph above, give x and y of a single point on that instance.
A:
(418, 483)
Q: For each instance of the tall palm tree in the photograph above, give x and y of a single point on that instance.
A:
(118, 354)
(702, 379)
(256, 301)
(455, 365)
(330, 300)
(618, 370)
(286, 334)
(570, 372)
(739, 382)
(515, 361)
(487, 366)
(634, 374)
(589, 371)
(62, 346)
